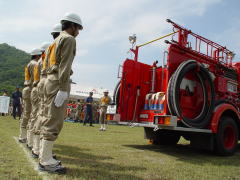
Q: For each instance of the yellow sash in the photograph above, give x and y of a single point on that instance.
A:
(52, 55)
(36, 73)
(27, 75)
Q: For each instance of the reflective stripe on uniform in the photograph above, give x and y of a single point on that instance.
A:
(52, 55)
(36, 76)
(27, 74)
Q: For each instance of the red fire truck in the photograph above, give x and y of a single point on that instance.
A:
(194, 93)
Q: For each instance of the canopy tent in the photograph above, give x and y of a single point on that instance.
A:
(81, 92)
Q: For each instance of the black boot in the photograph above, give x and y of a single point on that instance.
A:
(58, 168)
(22, 140)
(35, 156)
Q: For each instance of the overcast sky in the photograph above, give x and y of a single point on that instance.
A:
(103, 44)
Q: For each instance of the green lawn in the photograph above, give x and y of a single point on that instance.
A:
(119, 153)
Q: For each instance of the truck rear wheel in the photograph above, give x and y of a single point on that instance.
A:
(227, 137)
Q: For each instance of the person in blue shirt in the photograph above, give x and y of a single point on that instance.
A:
(16, 99)
(88, 113)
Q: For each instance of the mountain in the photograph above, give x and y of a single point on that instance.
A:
(12, 62)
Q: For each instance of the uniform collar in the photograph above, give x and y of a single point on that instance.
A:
(65, 33)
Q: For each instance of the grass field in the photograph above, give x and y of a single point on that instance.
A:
(119, 153)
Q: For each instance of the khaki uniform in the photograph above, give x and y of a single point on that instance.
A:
(60, 58)
(34, 97)
(104, 102)
(26, 94)
(40, 87)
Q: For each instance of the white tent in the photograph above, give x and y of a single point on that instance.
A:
(81, 92)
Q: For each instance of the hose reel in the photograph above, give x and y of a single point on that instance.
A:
(173, 93)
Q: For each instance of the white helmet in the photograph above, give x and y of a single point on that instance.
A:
(57, 28)
(72, 17)
(36, 51)
(106, 91)
(45, 46)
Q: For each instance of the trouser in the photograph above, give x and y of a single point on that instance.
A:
(77, 115)
(42, 110)
(17, 110)
(35, 107)
(102, 118)
(53, 123)
(27, 107)
(88, 116)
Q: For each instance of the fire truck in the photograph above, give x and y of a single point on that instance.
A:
(193, 93)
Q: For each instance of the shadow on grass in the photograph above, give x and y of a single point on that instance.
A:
(100, 174)
(188, 154)
(91, 166)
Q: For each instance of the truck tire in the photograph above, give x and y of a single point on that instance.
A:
(226, 140)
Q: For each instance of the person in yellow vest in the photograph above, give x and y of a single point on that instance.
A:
(103, 103)
(35, 95)
(26, 94)
(57, 87)
(41, 86)
(35, 105)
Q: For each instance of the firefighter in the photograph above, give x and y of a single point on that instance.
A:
(57, 88)
(56, 30)
(26, 93)
(36, 99)
(41, 85)
(103, 103)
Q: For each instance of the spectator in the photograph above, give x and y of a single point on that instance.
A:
(103, 103)
(16, 99)
(5, 93)
(88, 114)
(78, 111)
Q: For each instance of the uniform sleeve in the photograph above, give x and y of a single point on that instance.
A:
(30, 69)
(67, 54)
(40, 65)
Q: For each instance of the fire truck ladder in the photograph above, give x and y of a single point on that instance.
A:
(213, 51)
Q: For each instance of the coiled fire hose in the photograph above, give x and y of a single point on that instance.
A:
(173, 94)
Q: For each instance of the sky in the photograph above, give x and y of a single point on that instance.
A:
(103, 44)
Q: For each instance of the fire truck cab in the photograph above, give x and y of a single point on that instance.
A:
(193, 94)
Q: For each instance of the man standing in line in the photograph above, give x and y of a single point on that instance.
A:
(26, 93)
(16, 100)
(103, 103)
(41, 86)
(35, 96)
(60, 58)
(88, 114)
(35, 105)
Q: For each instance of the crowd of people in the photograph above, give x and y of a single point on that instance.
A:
(46, 92)
(88, 111)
